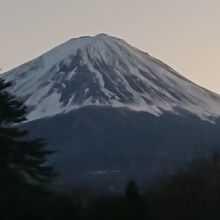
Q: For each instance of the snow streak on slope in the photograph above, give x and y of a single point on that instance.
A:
(104, 70)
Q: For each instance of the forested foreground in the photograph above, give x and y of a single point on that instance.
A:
(193, 193)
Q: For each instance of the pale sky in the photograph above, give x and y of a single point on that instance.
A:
(185, 34)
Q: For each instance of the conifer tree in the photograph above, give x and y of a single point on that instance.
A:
(132, 192)
(22, 160)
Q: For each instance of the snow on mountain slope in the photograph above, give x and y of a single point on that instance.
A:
(104, 70)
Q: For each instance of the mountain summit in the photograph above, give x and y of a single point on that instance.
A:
(106, 71)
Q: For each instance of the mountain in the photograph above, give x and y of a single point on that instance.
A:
(106, 71)
(112, 112)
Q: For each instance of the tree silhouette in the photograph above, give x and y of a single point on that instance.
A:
(131, 192)
(22, 160)
(135, 206)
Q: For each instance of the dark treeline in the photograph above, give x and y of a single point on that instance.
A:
(192, 193)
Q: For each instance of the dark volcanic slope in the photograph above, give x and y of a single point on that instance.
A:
(105, 147)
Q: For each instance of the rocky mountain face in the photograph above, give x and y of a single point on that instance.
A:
(106, 71)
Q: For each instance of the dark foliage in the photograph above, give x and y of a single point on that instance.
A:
(22, 160)
(132, 193)
(193, 193)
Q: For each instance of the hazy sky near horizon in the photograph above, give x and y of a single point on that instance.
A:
(185, 34)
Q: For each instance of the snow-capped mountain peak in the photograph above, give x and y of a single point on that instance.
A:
(106, 71)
